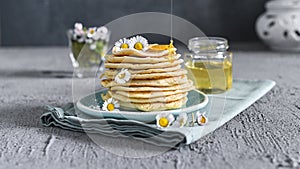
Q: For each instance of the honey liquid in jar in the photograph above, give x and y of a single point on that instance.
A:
(210, 76)
(210, 64)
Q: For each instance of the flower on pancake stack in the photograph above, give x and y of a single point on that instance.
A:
(123, 44)
(110, 105)
(139, 43)
(164, 120)
(123, 76)
(201, 119)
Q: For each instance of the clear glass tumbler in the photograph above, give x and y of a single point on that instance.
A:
(87, 54)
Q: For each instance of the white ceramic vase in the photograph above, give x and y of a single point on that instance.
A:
(279, 26)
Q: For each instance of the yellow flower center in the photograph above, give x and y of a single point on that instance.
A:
(163, 122)
(124, 46)
(138, 46)
(203, 120)
(92, 31)
(110, 107)
(121, 75)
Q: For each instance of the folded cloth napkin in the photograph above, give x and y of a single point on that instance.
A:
(222, 108)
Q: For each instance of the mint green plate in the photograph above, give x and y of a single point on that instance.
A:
(196, 101)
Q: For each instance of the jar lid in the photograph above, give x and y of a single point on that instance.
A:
(208, 44)
(283, 4)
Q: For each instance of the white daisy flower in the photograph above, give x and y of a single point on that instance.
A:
(101, 33)
(201, 119)
(123, 44)
(181, 120)
(78, 26)
(139, 43)
(110, 105)
(123, 76)
(102, 30)
(164, 120)
(78, 29)
(91, 32)
(78, 33)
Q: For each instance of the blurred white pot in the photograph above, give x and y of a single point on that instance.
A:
(279, 27)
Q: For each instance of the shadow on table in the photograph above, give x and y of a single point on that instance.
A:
(37, 74)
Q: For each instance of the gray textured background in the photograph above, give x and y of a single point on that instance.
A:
(44, 22)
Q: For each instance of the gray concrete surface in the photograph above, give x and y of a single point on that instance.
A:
(266, 135)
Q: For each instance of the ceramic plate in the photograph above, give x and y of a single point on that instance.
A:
(196, 101)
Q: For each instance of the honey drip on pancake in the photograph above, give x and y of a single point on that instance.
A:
(170, 47)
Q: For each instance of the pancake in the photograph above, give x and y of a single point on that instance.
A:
(164, 99)
(154, 106)
(140, 53)
(189, 84)
(113, 72)
(153, 82)
(153, 75)
(143, 66)
(152, 94)
(145, 77)
(133, 59)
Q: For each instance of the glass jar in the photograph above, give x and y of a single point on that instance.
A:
(209, 64)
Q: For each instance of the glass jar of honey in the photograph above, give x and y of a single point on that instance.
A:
(209, 64)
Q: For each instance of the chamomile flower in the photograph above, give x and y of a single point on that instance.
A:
(78, 33)
(78, 29)
(201, 119)
(102, 30)
(101, 33)
(123, 44)
(123, 76)
(110, 105)
(181, 120)
(164, 120)
(91, 32)
(139, 43)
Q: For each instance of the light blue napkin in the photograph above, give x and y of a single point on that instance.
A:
(222, 108)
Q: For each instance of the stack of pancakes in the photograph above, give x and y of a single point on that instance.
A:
(157, 81)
